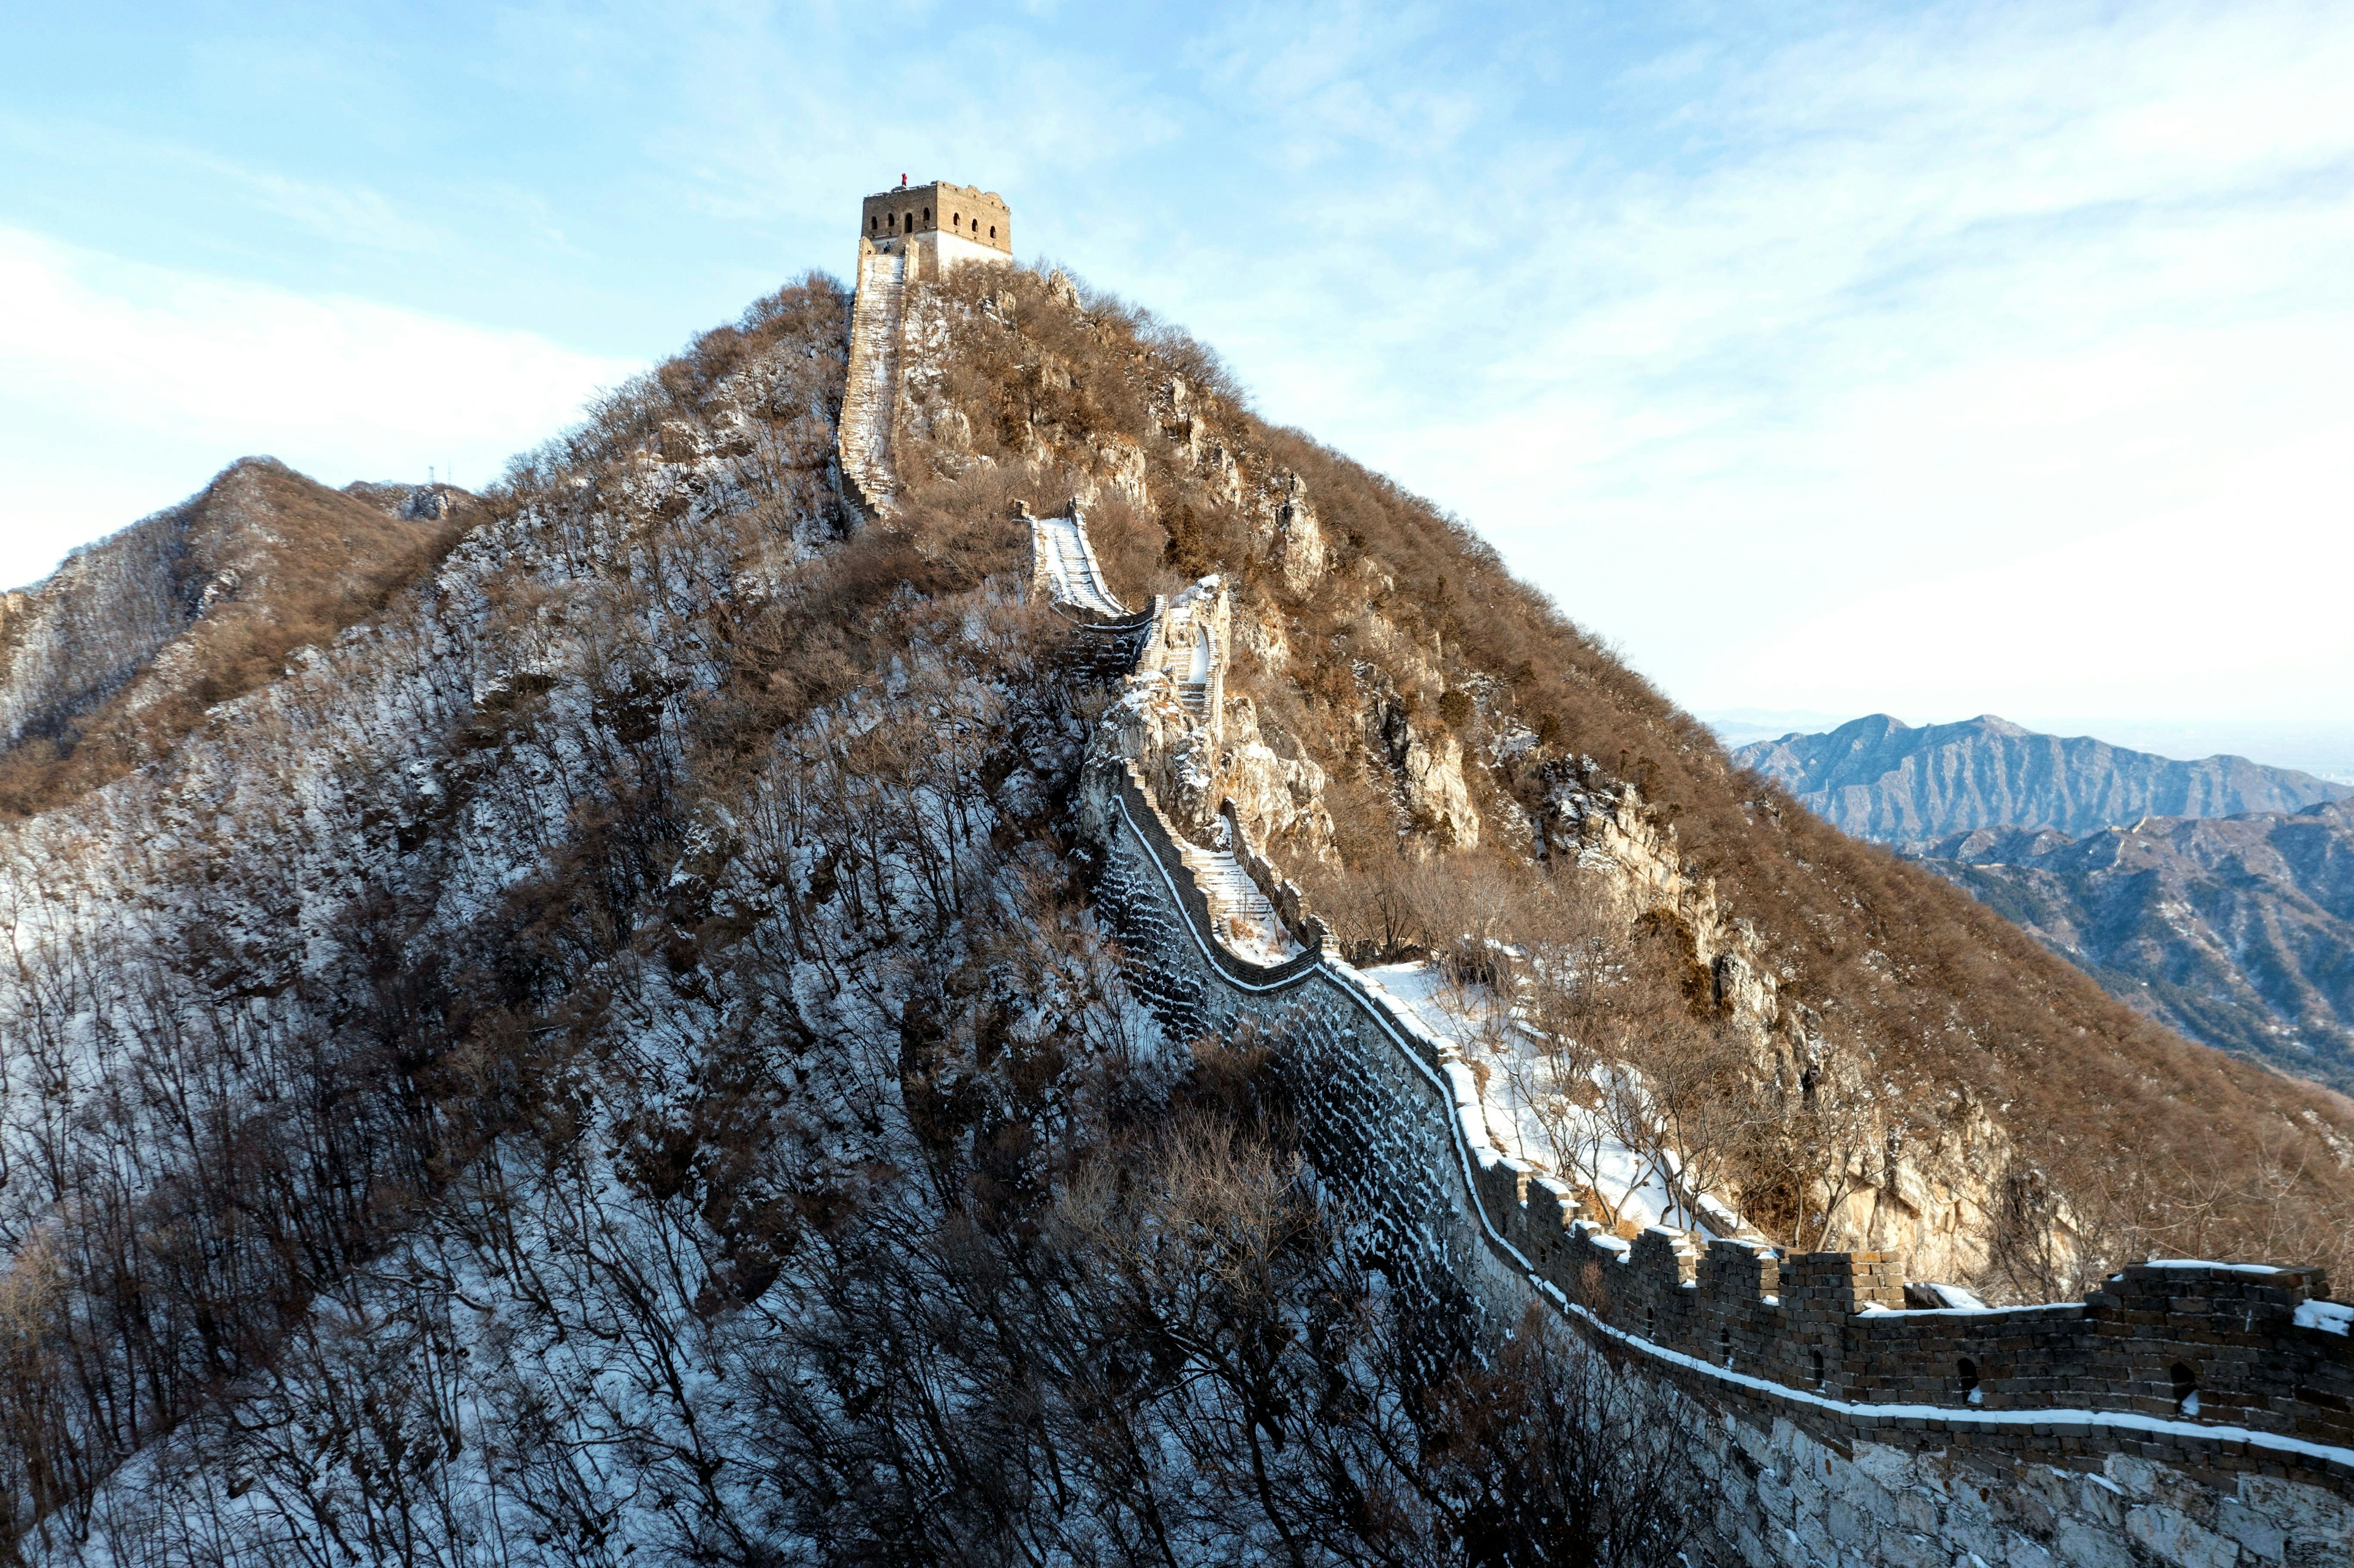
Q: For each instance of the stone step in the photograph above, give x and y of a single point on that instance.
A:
(867, 401)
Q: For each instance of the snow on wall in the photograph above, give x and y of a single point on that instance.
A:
(1065, 567)
(1835, 1426)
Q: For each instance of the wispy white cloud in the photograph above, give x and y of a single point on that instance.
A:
(345, 213)
(1882, 320)
(123, 387)
(1753, 333)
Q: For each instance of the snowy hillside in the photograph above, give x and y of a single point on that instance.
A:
(610, 1054)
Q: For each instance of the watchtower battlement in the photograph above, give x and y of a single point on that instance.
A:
(909, 234)
(939, 223)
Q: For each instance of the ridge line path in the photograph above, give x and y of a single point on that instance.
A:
(1072, 571)
(874, 387)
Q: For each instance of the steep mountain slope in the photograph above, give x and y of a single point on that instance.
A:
(1404, 688)
(2238, 931)
(613, 1059)
(1879, 778)
(610, 1063)
(107, 663)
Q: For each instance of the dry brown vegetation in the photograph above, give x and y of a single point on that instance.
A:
(2145, 1142)
(826, 1138)
(219, 591)
(709, 1118)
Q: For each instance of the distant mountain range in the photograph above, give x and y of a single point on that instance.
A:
(2238, 931)
(2216, 895)
(1879, 777)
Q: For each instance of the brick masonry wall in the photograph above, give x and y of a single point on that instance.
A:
(938, 206)
(1834, 1426)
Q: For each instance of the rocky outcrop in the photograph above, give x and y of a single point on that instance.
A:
(1279, 800)
(1928, 1188)
(1879, 778)
(1122, 463)
(1436, 795)
(1297, 547)
(1194, 748)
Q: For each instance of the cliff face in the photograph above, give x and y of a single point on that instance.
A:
(1879, 778)
(2238, 931)
(105, 664)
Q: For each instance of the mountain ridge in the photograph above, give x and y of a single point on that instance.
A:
(108, 659)
(2237, 931)
(637, 994)
(1881, 779)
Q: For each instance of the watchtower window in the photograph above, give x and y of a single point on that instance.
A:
(1818, 1369)
(1969, 1371)
(2186, 1389)
(992, 231)
(1725, 1345)
(928, 215)
(956, 220)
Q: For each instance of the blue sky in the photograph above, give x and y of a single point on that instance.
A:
(1938, 359)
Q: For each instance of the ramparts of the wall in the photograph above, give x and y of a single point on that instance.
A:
(979, 217)
(2076, 1449)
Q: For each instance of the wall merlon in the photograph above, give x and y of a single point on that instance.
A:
(1552, 1204)
(1503, 1185)
(1798, 1348)
(1738, 1273)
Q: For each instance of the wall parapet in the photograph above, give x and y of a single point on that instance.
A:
(1117, 781)
(2211, 1365)
(2233, 1381)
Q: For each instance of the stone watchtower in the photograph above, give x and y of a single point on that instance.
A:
(913, 234)
(937, 225)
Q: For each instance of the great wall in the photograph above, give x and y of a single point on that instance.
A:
(2187, 1413)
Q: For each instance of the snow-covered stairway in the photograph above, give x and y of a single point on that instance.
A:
(1068, 565)
(1241, 917)
(870, 397)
